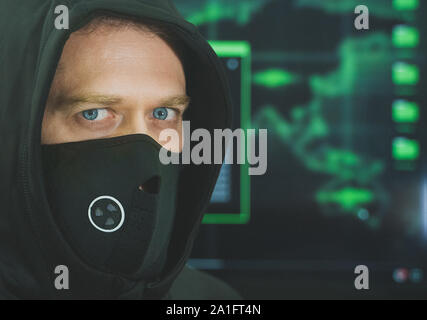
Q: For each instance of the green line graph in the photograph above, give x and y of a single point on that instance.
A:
(353, 179)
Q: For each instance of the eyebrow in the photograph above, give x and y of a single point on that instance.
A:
(181, 100)
(67, 102)
(70, 101)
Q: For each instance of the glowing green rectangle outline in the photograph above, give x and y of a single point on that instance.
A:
(238, 49)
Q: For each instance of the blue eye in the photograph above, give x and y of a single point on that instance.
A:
(95, 114)
(90, 114)
(161, 113)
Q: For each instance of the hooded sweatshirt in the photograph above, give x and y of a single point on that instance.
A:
(31, 243)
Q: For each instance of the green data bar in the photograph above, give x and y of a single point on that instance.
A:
(405, 149)
(405, 37)
(402, 5)
(405, 111)
(274, 78)
(405, 74)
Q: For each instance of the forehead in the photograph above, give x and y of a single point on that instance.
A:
(113, 51)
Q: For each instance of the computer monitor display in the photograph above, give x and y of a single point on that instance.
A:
(346, 182)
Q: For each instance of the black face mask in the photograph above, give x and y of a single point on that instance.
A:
(114, 201)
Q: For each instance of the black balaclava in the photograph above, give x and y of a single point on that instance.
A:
(108, 197)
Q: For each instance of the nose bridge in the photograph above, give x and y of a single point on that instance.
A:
(136, 123)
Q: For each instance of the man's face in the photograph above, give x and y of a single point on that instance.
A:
(115, 82)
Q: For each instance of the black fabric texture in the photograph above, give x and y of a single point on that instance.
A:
(78, 173)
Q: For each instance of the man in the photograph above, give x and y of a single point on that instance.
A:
(88, 209)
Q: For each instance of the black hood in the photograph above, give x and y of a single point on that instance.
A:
(31, 244)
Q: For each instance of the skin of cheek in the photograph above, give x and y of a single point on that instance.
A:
(177, 145)
(53, 129)
(157, 126)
